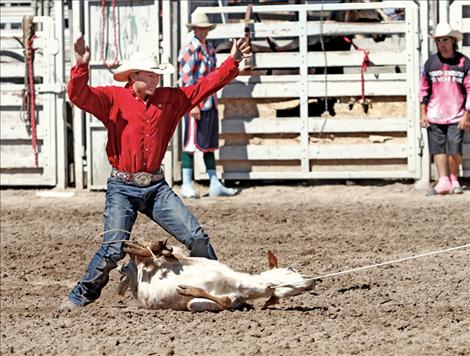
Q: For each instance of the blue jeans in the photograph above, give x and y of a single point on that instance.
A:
(123, 201)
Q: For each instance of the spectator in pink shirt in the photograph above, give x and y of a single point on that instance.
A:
(445, 106)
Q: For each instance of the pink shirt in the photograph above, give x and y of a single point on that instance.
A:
(445, 88)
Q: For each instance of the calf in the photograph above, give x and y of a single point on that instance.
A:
(161, 278)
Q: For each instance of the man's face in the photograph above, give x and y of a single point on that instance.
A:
(201, 32)
(145, 82)
(445, 46)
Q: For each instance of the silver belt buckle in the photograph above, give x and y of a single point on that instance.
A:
(142, 179)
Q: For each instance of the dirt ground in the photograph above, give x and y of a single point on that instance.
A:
(417, 307)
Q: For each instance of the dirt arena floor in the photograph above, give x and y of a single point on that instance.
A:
(417, 307)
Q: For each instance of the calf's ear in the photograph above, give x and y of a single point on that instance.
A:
(123, 285)
(272, 260)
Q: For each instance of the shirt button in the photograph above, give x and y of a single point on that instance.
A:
(148, 121)
(147, 135)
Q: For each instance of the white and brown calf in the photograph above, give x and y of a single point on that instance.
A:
(162, 279)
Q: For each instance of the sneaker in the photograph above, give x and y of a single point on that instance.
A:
(222, 191)
(457, 190)
(68, 305)
(456, 187)
(189, 192)
(442, 187)
(217, 189)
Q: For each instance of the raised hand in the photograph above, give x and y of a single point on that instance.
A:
(241, 48)
(82, 51)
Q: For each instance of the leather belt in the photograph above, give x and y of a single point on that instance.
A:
(140, 179)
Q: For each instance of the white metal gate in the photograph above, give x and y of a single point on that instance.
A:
(305, 86)
(17, 158)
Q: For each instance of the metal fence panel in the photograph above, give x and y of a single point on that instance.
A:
(17, 158)
(295, 160)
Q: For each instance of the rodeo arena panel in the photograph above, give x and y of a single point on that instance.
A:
(330, 93)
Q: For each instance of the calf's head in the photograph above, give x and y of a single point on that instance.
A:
(142, 254)
(286, 282)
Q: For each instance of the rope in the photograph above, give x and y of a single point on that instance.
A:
(325, 69)
(365, 63)
(113, 241)
(376, 265)
(146, 244)
(322, 43)
(32, 105)
(103, 27)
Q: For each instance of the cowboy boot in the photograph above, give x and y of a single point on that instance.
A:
(216, 188)
(187, 189)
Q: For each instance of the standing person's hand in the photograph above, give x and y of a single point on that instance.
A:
(424, 122)
(196, 113)
(241, 48)
(464, 123)
(82, 51)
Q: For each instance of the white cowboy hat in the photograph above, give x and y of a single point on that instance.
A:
(142, 61)
(200, 19)
(443, 29)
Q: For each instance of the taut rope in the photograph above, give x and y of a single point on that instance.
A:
(376, 265)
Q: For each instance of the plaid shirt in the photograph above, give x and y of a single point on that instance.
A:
(197, 61)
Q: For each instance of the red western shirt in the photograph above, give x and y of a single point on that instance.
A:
(139, 131)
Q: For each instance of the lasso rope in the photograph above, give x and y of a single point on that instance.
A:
(146, 244)
(375, 265)
(111, 230)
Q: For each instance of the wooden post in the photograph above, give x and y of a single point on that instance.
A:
(167, 36)
(303, 70)
(78, 117)
(62, 168)
(444, 11)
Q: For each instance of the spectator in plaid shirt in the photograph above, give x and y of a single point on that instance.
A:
(201, 126)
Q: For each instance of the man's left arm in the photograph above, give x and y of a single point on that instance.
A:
(216, 80)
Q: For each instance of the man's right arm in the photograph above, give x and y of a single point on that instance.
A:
(424, 95)
(424, 122)
(96, 101)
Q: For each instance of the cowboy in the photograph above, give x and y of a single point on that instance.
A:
(197, 59)
(140, 118)
(445, 106)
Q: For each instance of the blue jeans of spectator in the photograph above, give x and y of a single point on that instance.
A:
(123, 201)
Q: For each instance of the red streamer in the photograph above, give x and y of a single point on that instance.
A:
(32, 106)
(365, 63)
